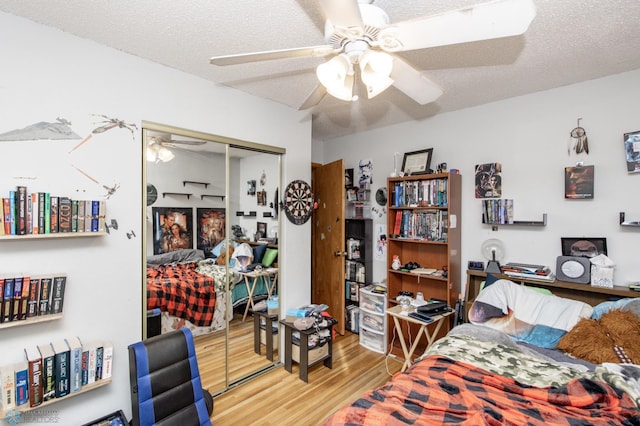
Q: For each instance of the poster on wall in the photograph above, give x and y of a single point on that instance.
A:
(488, 180)
(210, 228)
(578, 182)
(172, 229)
(365, 171)
(381, 242)
(632, 151)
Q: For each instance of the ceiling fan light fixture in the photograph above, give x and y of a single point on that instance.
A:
(336, 75)
(375, 68)
(157, 152)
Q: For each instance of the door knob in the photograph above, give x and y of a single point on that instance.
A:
(340, 253)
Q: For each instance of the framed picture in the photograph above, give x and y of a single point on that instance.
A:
(210, 227)
(261, 230)
(352, 194)
(584, 247)
(117, 418)
(488, 178)
(262, 198)
(251, 187)
(632, 151)
(348, 178)
(578, 182)
(172, 229)
(417, 162)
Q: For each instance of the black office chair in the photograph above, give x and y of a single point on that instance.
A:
(165, 382)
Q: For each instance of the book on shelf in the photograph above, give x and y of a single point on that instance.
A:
(46, 290)
(12, 211)
(95, 215)
(6, 207)
(17, 299)
(81, 215)
(62, 367)
(34, 297)
(34, 360)
(74, 215)
(64, 214)
(75, 364)
(1, 299)
(87, 215)
(102, 216)
(22, 383)
(48, 372)
(107, 359)
(7, 303)
(8, 379)
(35, 209)
(21, 210)
(54, 212)
(91, 349)
(57, 297)
(47, 213)
(99, 361)
(41, 210)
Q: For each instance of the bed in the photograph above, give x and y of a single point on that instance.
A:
(190, 291)
(506, 367)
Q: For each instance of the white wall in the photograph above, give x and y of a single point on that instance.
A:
(48, 74)
(529, 136)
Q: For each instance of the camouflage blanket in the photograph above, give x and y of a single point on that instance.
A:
(438, 390)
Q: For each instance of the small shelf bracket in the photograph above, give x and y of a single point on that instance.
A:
(185, 182)
(543, 222)
(164, 194)
(630, 223)
(203, 196)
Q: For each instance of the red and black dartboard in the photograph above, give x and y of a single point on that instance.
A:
(298, 202)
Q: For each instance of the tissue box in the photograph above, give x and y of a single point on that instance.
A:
(602, 276)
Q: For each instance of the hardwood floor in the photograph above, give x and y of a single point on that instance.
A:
(281, 398)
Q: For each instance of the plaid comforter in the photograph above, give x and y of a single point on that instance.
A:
(438, 390)
(181, 291)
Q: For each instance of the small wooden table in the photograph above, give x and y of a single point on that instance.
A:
(304, 350)
(268, 332)
(398, 315)
(267, 274)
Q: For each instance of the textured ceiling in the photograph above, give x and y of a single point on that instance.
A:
(568, 41)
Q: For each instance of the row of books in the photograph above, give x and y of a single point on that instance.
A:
(352, 318)
(353, 248)
(497, 211)
(23, 297)
(352, 290)
(54, 370)
(528, 271)
(420, 193)
(432, 225)
(24, 213)
(354, 271)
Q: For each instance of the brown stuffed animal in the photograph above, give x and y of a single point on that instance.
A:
(222, 259)
(595, 340)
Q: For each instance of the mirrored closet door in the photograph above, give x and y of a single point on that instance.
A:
(211, 247)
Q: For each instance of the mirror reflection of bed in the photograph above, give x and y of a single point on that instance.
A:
(207, 264)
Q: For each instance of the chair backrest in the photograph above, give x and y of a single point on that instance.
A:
(165, 381)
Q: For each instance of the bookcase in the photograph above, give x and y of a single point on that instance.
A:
(31, 299)
(357, 266)
(423, 222)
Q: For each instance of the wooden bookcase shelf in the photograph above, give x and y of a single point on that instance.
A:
(86, 388)
(34, 320)
(52, 236)
(426, 202)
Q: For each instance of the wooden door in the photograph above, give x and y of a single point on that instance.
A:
(327, 265)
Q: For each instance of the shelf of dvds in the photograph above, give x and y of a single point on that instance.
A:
(423, 221)
(357, 265)
(51, 236)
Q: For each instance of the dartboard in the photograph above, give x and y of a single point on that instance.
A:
(298, 202)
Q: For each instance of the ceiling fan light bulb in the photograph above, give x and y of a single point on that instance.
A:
(165, 154)
(152, 152)
(336, 77)
(375, 68)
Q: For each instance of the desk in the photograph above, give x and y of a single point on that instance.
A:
(307, 358)
(268, 332)
(251, 280)
(398, 315)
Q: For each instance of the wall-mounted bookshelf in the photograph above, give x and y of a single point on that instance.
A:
(626, 221)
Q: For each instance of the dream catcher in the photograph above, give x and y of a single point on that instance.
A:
(578, 140)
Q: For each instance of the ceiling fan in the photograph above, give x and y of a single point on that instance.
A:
(158, 147)
(362, 41)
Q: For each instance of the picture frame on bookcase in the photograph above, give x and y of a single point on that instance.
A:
(417, 162)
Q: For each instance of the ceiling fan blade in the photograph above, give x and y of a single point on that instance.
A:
(413, 83)
(342, 13)
(502, 18)
(314, 98)
(243, 58)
